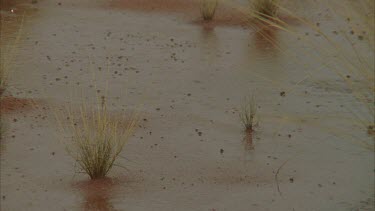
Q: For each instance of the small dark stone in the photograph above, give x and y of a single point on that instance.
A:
(221, 151)
(282, 94)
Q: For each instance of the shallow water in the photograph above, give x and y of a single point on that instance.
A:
(189, 81)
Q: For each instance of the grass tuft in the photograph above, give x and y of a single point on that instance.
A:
(97, 139)
(248, 114)
(265, 8)
(208, 9)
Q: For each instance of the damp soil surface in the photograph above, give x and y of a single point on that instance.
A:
(188, 81)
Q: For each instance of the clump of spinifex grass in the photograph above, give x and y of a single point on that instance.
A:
(248, 114)
(208, 9)
(264, 8)
(97, 139)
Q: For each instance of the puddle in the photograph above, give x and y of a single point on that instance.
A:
(187, 76)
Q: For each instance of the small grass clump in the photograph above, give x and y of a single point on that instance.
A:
(97, 139)
(248, 114)
(208, 9)
(265, 8)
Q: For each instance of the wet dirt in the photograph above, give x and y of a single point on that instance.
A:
(9, 104)
(188, 82)
(97, 193)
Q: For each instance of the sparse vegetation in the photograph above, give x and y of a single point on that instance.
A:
(264, 8)
(8, 51)
(208, 9)
(248, 114)
(97, 138)
(354, 52)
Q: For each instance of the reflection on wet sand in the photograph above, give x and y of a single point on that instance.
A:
(265, 39)
(97, 194)
(248, 140)
(263, 56)
(210, 42)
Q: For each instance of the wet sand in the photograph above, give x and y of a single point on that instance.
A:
(188, 81)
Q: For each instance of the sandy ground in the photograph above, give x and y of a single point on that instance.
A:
(188, 82)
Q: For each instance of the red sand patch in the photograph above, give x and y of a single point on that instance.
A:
(9, 104)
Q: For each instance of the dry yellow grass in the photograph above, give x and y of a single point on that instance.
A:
(248, 113)
(208, 9)
(97, 139)
(264, 8)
